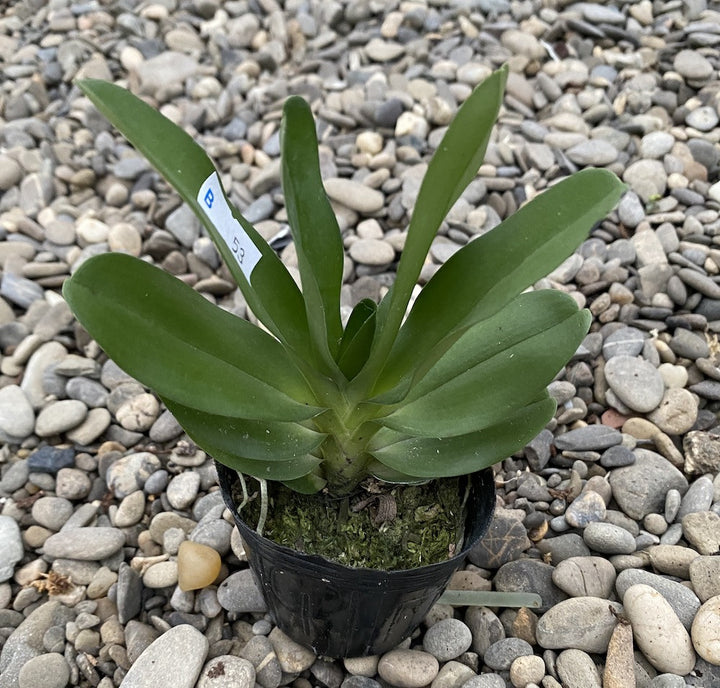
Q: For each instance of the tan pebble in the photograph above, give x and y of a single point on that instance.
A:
(658, 631)
(706, 631)
(198, 565)
(620, 662)
(408, 668)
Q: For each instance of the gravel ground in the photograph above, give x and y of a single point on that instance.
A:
(612, 514)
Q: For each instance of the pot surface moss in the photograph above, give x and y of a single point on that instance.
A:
(427, 527)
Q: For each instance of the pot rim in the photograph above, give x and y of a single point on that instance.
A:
(483, 481)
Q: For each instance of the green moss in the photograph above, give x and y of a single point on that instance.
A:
(427, 528)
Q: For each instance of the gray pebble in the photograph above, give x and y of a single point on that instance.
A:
(11, 547)
(699, 497)
(636, 382)
(608, 539)
(239, 593)
(447, 639)
(501, 654)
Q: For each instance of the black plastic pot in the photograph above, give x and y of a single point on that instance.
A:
(340, 611)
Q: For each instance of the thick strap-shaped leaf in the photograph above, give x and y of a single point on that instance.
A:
(527, 316)
(432, 457)
(357, 338)
(494, 268)
(272, 293)
(283, 471)
(313, 226)
(170, 338)
(390, 475)
(251, 439)
(453, 166)
(492, 390)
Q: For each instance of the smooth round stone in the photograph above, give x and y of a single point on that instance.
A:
(11, 547)
(408, 668)
(354, 195)
(227, 671)
(590, 438)
(676, 413)
(528, 669)
(658, 632)
(161, 575)
(576, 669)
(86, 543)
(616, 457)
(627, 341)
(647, 178)
(582, 623)
(17, 418)
(447, 639)
(692, 65)
(372, 252)
(640, 489)
(656, 144)
(501, 654)
(706, 631)
(48, 670)
(594, 152)
(130, 510)
(636, 382)
(585, 509)
(673, 501)
(674, 560)
(486, 681)
(699, 497)
(585, 577)
(607, 538)
(240, 594)
(179, 652)
(704, 118)
(183, 489)
(682, 600)
(506, 539)
(563, 547)
(125, 238)
(60, 416)
(52, 512)
(198, 565)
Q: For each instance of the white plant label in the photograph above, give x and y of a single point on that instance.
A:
(212, 200)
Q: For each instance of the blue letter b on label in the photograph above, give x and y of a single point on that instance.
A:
(209, 198)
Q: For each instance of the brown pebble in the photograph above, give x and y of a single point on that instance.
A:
(198, 565)
(620, 662)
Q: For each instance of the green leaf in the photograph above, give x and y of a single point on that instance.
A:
(308, 484)
(453, 166)
(494, 387)
(490, 271)
(172, 339)
(283, 471)
(252, 439)
(390, 475)
(313, 226)
(271, 291)
(357, 338)
(432, 457)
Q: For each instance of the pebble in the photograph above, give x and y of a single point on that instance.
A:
(636, 382)
(620, 663)
(706, 631)
(657, 630)
(48, 670)
(607, 538)
(227, 671)
(705, 577)
(354, 195)
(86, 544)
(640, 489)
(502, 653)
(582, 623)
(198, 566)
(295, 658)
(179, 652)
(239, 593)
(447, 639)
(576, 669)
(585, 577)
(683, 601)
(702, 531)
(17, 418)
(11, 547)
